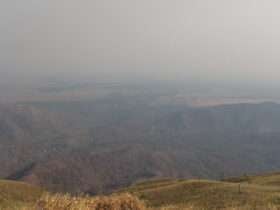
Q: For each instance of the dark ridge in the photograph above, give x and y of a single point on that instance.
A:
(19, 174)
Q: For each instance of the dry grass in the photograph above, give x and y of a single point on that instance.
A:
(247, 207)
(17, 194)
(153, 195)
(67, 202)
(208, 195)
(127, 201)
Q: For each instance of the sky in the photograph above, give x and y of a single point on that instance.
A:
(221, 40)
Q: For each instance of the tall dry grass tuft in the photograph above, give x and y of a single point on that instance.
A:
(67, 202)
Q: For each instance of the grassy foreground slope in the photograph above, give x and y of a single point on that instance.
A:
(21, 196)
(15, 195)
(272, 179)
(204, 194)
(242, 193)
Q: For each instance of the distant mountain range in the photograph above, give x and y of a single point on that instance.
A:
(103, 145)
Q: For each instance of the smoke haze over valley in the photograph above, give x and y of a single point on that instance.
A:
(98, 95)
(221, 41)
(98, 137)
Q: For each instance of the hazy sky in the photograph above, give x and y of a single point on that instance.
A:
(156, 39)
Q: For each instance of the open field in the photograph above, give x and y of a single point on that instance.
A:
(252, 192)
(205, 194)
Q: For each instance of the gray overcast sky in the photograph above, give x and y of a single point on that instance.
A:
(157, 39)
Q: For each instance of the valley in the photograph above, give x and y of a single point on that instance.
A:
(98, 146)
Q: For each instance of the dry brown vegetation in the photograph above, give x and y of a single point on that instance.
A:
(154, 195)
(67, 202)
(257, 193)
(268, 207)
(207, 195)
(120, 202)
(14, 195)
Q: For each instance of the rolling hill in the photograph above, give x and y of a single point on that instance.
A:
(18, 195)
(206, 194)
(244, 193)
(101, 146)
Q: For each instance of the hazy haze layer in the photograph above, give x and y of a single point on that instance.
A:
(156, 39)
